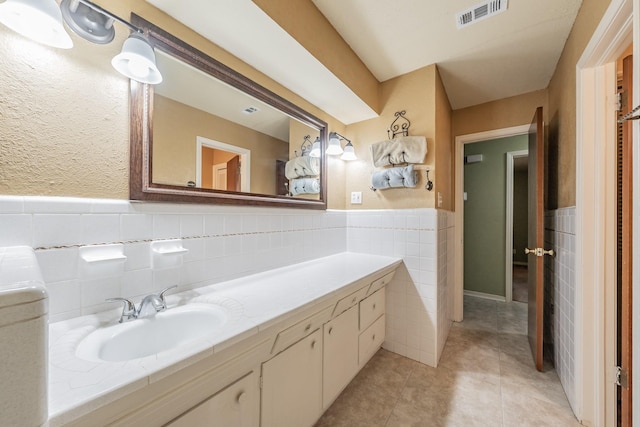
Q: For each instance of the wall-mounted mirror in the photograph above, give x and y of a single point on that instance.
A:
(208, 134)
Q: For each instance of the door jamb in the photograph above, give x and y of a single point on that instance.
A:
(458, 290)
(508, 283)
(595, 314)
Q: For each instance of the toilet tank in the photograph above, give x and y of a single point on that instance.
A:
(23, 339)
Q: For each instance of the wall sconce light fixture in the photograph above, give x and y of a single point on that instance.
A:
(41, 21)
(335, 148)
(38, 20)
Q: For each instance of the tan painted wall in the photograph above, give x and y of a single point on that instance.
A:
(305, 23)
(503, 113)
(414, 92)
(444, 147)
(562, 107)
(65, 113)
(176, 127)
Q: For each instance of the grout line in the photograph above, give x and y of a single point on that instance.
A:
(401, 390)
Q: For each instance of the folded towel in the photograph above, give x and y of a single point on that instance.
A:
(305, 186)
(394, 177)
(302, 166)
(405, 149)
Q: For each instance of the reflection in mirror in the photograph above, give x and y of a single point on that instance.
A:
(218, 136)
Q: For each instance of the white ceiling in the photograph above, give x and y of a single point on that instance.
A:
(509, 54)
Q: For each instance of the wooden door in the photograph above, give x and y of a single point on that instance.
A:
(233, 174)
(625, 199)
(536, 238)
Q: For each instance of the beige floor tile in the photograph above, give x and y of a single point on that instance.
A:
(486, 377)
(521, 410)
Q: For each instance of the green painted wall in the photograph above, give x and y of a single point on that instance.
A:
(484, 214)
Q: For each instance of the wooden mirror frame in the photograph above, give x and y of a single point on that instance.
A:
(141, 186)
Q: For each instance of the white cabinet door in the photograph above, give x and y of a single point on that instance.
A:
(340, 362)
(236, 405)
(292, 385)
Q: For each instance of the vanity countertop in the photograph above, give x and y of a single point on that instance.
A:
(254, 303)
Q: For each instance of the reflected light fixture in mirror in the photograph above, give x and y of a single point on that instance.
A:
(315, 148)
(38, 20)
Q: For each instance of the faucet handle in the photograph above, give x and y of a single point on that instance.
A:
(128, 309)
(161, 294)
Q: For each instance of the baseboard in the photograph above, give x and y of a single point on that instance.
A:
(524, 264)
(485, 296)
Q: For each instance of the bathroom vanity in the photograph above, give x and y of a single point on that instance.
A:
(292, 339)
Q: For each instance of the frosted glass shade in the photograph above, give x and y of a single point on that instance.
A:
(334, 145)
(38, 20)
(349, 152)
(137, 61)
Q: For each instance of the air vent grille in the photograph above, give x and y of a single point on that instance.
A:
(480, 12)
(250, 110)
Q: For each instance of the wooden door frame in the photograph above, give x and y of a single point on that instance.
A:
(460, 141)
(595, 257)
(245, 160)
(511, 155)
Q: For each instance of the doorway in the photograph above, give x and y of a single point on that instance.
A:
(485, 221)
(517, 226)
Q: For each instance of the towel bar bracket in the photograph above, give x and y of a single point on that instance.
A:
(399, 127)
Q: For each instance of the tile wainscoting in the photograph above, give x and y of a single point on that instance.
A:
(419, 297)
(560, 235)
(228, 242)
(223, 243)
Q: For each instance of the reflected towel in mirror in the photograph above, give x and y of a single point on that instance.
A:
(405, 149)
(302, 166)
(394, 177)
(305, 186)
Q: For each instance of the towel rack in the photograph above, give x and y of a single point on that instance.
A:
(630, 115)
(398, 126)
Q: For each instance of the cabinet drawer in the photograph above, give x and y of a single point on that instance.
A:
(236, 405)
(349, 301)
(370, 340)
(300, 330)
(380, 283)
(371, 308)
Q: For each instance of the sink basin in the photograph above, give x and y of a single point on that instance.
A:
(144, 337)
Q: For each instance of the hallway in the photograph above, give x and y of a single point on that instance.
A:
(486, 377)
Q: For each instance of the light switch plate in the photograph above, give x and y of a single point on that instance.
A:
(356, 197)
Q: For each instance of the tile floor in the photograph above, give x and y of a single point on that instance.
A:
(486, 377)
(519, 277)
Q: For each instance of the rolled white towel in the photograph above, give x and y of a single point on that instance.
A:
(305, 186)
(302, 166)
(405, 149)
(394, 177)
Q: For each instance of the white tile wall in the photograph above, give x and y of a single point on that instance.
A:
(418, 298)
(223, 242)
(560, 273)
(228, 242)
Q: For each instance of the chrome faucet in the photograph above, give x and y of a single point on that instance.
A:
(149, 306)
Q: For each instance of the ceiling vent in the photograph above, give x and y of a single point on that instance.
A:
(250, 110)
(479, 12)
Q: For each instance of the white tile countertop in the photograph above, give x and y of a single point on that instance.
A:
(253, 303)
